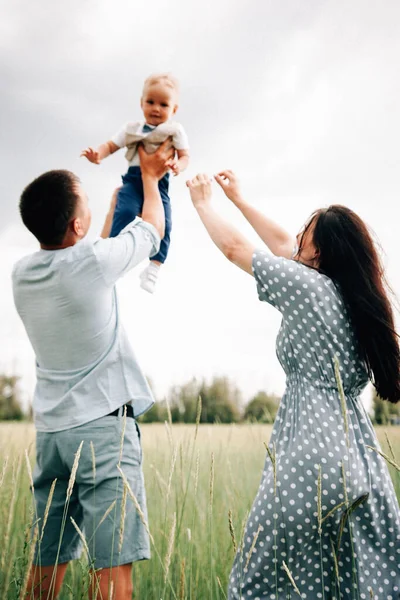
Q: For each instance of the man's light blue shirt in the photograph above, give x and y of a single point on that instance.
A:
(68, 304)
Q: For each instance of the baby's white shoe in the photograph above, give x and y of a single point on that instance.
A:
(148, 277)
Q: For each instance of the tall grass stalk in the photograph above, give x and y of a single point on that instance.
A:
(211, 525)
(168, 556)
(13, 502)
(70, 487)
(385, 456)
(198, 415)
(194, 515)
(167, 496)
(146, 525)
(232, 531)
(290, 576)
(93, 455)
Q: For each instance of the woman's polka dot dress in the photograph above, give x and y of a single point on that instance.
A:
(325, 522)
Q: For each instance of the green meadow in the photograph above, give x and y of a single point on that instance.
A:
(200, 484)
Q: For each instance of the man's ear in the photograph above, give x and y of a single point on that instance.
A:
(141, 102)
(175, 109)
(76, 226)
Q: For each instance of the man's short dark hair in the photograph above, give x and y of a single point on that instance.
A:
(48, 204)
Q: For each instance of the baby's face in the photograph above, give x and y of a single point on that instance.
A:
(158, 103)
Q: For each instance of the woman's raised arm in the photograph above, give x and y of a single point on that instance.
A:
(231, 242)
(277, 239)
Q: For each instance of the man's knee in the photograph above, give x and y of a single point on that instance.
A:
(115, 583)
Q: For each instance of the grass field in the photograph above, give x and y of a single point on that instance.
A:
(192, 485)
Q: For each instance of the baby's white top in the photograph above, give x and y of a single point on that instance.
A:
(134, 132)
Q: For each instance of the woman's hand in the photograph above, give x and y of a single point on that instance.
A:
(92, 155)
(230, 184)
(157, 164)
(200, 190)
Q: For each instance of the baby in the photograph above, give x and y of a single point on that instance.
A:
(159, 103)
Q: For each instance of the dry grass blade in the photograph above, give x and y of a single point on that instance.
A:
(220, 587)
(389, 443)
(273, 461)
(6, 573)
(171, 541)
(12, 504)
(257, 533)
(334, 509)
(29, 469)
(196, 472)
(73, 471)
(198, 415)
(169, 433)
(171, 472)
(232, 531)
(346, 498)
(104, 517)
(4, 470)
(81, 535)
(168, 412)
(212, 481)
(122, 519)
(162, 484)
(30, 561)
(342, 399)
(47, 509)
(385, 456)
(290, 576)
(182, 581)
(335, 562)
(319, 499)
(136, 503)
(121, 443)
(93, 461)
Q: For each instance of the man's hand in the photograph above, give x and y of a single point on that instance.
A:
(200, 190)
(156, 165)
(230, 184)
(92, 155)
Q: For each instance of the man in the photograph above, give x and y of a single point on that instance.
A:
(87, 377)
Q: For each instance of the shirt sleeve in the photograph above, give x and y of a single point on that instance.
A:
(180, 139)
(282, 282)
(119, 138)
(118, 255)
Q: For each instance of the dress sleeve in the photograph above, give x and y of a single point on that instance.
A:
(282, 282)
(118, 255)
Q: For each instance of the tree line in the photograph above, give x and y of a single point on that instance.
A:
(221, 402)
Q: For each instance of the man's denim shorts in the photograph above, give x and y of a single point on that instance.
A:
(94, 491)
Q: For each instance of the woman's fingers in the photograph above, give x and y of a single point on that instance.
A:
(223, 182)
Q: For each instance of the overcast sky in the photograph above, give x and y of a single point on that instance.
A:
(301, 99)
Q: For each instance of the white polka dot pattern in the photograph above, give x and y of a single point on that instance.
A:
(327, 509)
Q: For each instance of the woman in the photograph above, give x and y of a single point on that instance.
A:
(325, 522)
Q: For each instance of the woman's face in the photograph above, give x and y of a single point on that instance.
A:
(307, 253)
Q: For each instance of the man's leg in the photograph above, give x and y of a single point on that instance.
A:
(42, 583)
(120, 587)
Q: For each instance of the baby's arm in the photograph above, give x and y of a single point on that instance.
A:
(104, 150)
(179, 164)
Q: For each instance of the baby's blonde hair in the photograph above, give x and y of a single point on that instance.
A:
(164, 78)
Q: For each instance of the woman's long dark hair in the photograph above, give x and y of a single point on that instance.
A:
(347, 254)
